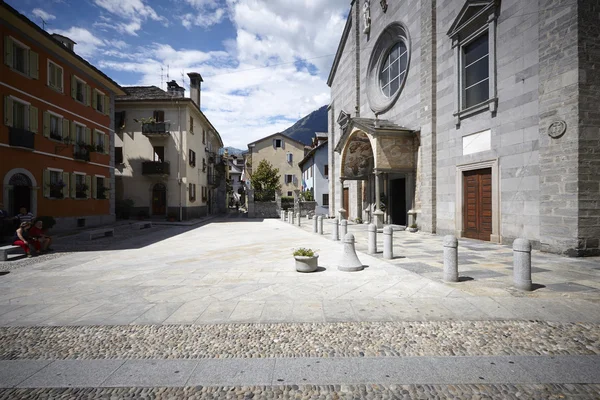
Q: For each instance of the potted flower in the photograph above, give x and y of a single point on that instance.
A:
(171, 216)
(412, 228)
(143, 214)
(306, 260)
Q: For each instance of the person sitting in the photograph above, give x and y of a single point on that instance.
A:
(23, 240)
(38, 233)
(25, 216)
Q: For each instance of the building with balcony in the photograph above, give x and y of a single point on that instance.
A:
(476, 118)
(57, 128)
(315, 173)
(167, 153)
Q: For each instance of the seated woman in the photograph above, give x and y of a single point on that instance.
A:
(37, 232)
(23, 240)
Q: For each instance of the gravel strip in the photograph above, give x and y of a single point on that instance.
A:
(369, 339)
(552, 391)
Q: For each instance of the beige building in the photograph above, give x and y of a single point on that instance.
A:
(167, 153)
(283, 153)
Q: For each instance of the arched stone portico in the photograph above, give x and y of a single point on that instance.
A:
(384, 157)
(7, 194)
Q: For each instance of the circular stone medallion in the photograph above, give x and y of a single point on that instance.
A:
(557, 129)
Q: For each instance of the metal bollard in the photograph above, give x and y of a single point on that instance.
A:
(335, 233)
(299, 220)
(315, 224)
(320, 220)
(522, 264)
(372, 228)
(343, 228)
(388, 242)
(349, 260)
(450, 259)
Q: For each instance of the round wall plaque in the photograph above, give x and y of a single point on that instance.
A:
(557, 129)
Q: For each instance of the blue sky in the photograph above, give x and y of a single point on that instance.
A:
(264, 62)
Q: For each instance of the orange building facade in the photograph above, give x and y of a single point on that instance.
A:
(57, 130)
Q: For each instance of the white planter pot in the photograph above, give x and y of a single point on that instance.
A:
(413, 229)
(307, 264)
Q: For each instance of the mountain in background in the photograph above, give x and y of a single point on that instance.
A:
(304, 130)
(232, 151)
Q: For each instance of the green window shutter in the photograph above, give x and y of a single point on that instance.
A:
(60, 83)
(46, 127)
(88, 136)
(106, 105)
(88, 183)
(33, 119)
(8, 51)
(73, 132)
(106, 144)
(8, 110)
(73, 87)
(34, 68)
(94, 187)
(94, 100)
(65, 131)
(73, 182)
(65, 179)
(46, 183)
(88, 95)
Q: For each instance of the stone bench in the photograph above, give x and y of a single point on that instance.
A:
(6, 250)
(98, 233)
(142, 225)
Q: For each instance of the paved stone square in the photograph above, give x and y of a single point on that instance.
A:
(151, 313)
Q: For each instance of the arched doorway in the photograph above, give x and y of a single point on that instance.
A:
(159, 199)
(20, 190)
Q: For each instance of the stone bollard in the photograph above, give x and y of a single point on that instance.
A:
(289, 217)
(349, 261)
(343, 228)
(450, 259)
(320, 220)
(282, 215)
(299, 220)
(372, 228)
(335, 233)
(292, 218)
(522, 264)
(315, 222)
(388, 242)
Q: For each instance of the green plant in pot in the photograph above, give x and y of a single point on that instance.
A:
(412, 228)
(306, 260)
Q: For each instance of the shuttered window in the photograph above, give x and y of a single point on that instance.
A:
(55, 76)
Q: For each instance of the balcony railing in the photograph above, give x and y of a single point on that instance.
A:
(21, 138)
(212, 179)
(81, 153)
(156, 129)
(156, 168)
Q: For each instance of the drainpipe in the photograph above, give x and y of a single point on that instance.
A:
(179, 178)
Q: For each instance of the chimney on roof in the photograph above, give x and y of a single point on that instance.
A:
(175, 90)
(195, 80)
(68, 43)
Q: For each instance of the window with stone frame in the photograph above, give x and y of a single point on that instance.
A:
(56, 124)
(100, 142)
(100, 188)
(19, 57)
(55, 76)
(56, 185)
(80, 187)
(20, 115)
(325, 199)
(473, 35)
(80, 91)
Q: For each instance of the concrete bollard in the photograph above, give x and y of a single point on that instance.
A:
(320, 223)
(343, 228)
(522, 264)
(388, 242)
(372, 228)
(349, 261)
(289, 217)
(282, 215)
(315, 222)
(335, 233)
(299, 220)
(292, 218)
(450, 259)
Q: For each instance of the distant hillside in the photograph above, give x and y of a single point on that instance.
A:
(232, 151)
(304, 130)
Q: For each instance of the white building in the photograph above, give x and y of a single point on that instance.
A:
(315, 173)
(236, 167)
(166, 153)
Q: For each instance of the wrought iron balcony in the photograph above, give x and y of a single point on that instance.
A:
(156, 129)
(21, 138)
(81, 152)
(158, 168)
(212, 179)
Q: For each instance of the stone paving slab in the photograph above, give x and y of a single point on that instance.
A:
(316, 371)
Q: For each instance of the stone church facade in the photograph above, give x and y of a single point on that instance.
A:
(477, 118)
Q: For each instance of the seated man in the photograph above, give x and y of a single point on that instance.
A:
(38, 233)
(25, 216)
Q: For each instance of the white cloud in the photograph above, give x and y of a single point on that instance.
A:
(134, 12)
(38, 12)
(203, 19)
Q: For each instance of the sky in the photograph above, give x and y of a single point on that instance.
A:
(264, 62)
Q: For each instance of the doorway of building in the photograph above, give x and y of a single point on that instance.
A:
(21, 193)
(159, 199)
(398, 201)
(477, 204)
(346, 194)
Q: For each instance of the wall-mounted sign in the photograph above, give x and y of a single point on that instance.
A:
(557, 129)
